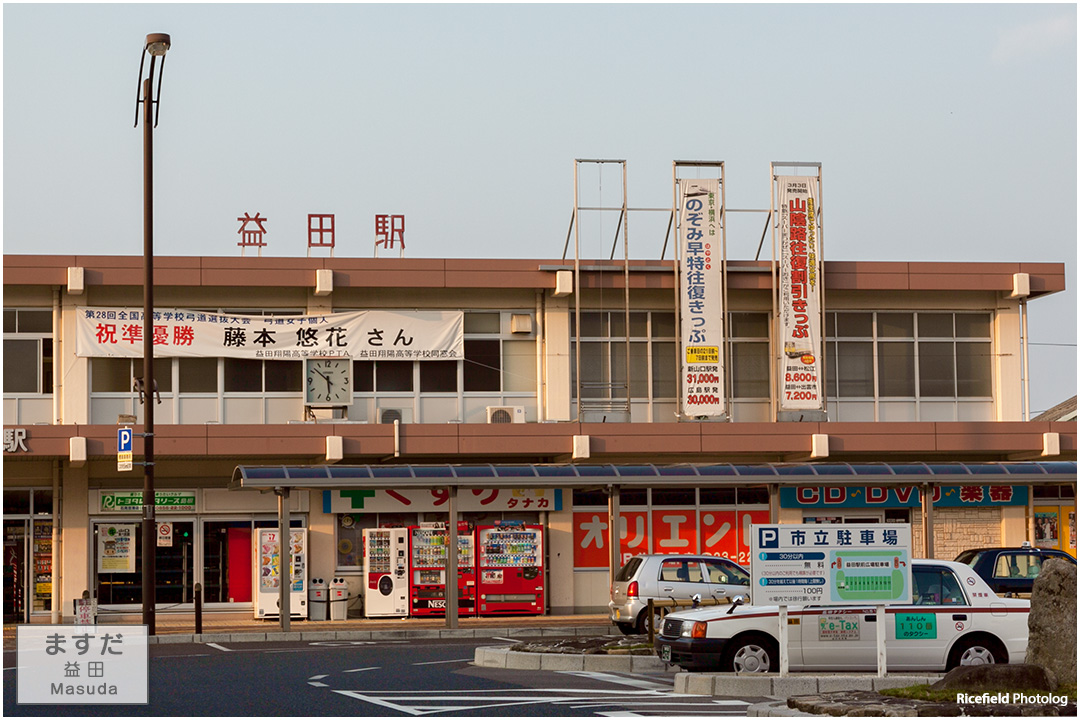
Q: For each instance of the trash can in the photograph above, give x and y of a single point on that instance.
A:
(318, 596)
(339, 599)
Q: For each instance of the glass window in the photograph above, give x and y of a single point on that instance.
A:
(973, 369)
(750, 325)
(483, 366)
(639, 368)
(663, 324)
(972, 325)
(855, 369)
(438, 376)
(480, 322)
(663, 369)
(393, 376)
(16, 502)
(162, 374)
(896, 325)
(519, 371)
(639, 324)
(717, 496)
(726, 573)
(855, 325)
(198, 375)
(9, 320)
(750, 370)
(243, 375)
(20, 366)
(34, 321)
(674, 496)
(364, 375)
(936, 369)
(110, 375)
(896, 369)
(936, 325)
(284, 375)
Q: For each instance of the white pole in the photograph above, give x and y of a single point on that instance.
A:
(783, 641)
(880, 614)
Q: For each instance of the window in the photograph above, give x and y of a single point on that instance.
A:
(925, 355)
(935, 586)
(604, 355)
(726, 573)
(438, 376)
(28, 352)
(681, 571)
(749, 355)
(117, 375)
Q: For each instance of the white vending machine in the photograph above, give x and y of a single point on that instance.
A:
(268, 576)
(386, 572)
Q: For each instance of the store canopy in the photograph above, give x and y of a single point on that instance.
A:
(328, 477)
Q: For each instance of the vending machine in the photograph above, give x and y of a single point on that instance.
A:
(386, 572)
(510, 569)
(268, 575)
(427, 572)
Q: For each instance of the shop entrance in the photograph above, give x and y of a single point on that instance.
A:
(227, 569)
(118, 554)
(15, 571)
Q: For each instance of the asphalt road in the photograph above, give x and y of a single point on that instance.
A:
(375, 678)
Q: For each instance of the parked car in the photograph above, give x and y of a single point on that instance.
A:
(678, 577)
(1010, 571)
(954, 619)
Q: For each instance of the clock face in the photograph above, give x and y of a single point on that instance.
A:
(328, 381)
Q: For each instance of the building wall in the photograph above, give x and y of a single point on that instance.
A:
(957, 529)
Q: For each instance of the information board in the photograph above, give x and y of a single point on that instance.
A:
(830, 564)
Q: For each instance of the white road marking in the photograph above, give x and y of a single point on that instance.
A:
(619, 680)
(219, 647)
(359, 670)
(317, 677)
(444, 662)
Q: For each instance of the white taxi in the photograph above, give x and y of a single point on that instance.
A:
(955, 619)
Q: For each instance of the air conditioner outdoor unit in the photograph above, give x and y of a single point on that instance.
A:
(387, 416)
(505, 414)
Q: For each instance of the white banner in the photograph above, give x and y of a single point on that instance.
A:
(702, 294)
(800, 295)
(365, 334)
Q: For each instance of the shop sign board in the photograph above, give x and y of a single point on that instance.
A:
(434, 500)
(131, 500)
(365, 334)
(830, 564)
(871, 496)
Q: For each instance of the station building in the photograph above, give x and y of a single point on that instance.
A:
(566, 386)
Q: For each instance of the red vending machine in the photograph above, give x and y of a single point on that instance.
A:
(427, 570)
(511, 569)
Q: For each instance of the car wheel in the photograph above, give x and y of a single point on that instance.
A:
(976, 651)
(752, 654)
(642, 625)
(626, 628)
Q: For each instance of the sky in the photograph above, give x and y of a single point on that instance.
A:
(944, 132)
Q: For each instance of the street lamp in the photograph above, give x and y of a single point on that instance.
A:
(157, 44)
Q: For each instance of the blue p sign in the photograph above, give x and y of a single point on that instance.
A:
(768, 538)
(123, 440)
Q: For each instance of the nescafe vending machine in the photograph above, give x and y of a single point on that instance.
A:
(386, 572)
(427, 570)
(511, 569)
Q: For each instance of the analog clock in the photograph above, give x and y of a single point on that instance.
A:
(328, 381)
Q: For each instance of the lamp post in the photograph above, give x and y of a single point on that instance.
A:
(157, 44)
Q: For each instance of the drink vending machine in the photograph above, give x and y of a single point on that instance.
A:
(386, 572)
(511, 569)
(427, 574)
(268, 574)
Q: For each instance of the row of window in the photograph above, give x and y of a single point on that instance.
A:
(867, 355)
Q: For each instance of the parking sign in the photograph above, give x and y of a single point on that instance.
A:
(123, 449)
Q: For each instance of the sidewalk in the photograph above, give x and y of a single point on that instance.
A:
(234, 628)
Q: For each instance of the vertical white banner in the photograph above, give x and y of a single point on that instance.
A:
(702, 294)
(800, 295)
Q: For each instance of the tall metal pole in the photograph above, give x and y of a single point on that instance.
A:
(157, 44)
(149, 520)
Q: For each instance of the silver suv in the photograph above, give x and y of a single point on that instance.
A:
(680, 577)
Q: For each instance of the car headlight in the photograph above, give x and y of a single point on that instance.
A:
(693, 630)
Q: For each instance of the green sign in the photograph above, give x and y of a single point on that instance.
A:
(869, 575)
(916, 626)
(164, 500)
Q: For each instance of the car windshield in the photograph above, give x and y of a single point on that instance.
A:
(968, 557)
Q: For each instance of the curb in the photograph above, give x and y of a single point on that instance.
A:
(504, 657)
(419, 633)
(730, 684)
